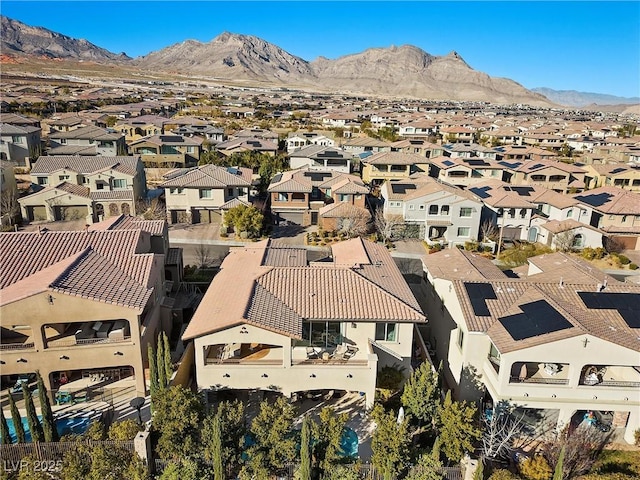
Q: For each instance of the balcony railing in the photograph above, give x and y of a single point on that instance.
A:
(611, 383)
(17, 346)
(540, 380)
(67, 342)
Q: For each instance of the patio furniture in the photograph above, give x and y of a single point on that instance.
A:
(551, 368)
(311, 353)
(351, 351)
(82, 396)
(63, 397)
(339, 352)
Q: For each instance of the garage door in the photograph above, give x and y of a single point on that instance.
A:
(627, 243)
(37, 213)
(293, 217)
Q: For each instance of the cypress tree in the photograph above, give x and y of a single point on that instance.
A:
(435, 451)
(4, 429)
(32, 417)
(48, 422)
(17, 420)
(558, 474)
(479, 473)
(304, 473)
(162, 377)
(216, 449)
(168, 365)
(153, 371)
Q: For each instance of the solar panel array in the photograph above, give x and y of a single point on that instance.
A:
(537, 318)
(478, 294)
(627, 304)
(317, 176)
(481, 192)
(401, 188)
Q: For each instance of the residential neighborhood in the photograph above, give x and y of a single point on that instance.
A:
(233, 248)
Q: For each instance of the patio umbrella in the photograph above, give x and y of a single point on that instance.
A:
(401, 415)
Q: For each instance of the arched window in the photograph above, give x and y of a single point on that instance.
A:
(113, 209)
(578, 241)
(125, 209)
(533, 234)
(99, 209)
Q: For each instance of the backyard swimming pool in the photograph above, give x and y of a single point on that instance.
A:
(349, 443)
(65, 425)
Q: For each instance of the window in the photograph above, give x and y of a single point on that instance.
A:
(344, 197)
(283, 197)
(512, 213)
(460, 337)
(16, 139)
(85, 180)
(433, 209)
(205, 193)
(43, 180)
(578, 241)
(395, 204)
(523, 213)
(230, 192)
(465, 212)
(421, 207)
(464, 231)
(190, 149)
(315, 193)
(322, 334)
(411, 207)
(328, 192)
(444, 210)
(63, 141)
(119, 183)
(63, 177)
(386, 332)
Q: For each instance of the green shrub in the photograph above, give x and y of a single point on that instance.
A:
(624, 260)
(224, 234)
(471, 246)
(390, 377)
(636, 436)
(633, 266)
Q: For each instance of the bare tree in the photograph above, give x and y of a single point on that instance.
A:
(581, 445)
(386, 226)
(204, 258)
(353, 226)
(501, 430)
(9, 208)
(489, 231)
(154, 209)
(564, 240)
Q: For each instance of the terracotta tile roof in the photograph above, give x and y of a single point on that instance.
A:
(457, 264)
(558, 226)
(394, 158)
(101, 265)
(85, 165)
(234, 202)
(78, 190)
(349, 186)
(93, 276)
(210, 176)
(340, 290)
(303, 180)
(25, 253)
(611, 200)
(128, 222)
(343, 210)
(559, 284)
(99, 195)
(282, 256)
(173, 256)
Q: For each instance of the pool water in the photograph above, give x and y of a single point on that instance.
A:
(66, 425)
(349, 443)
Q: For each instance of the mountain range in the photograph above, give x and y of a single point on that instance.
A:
(401, 71)
(574, 98)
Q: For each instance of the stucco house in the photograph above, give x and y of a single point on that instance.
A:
(561, 340)
(298, 195)
(94, 188)
(296, 326)
(444, 214)
(89, 140)
(383, 166)
(317, 157)
(19, 143)
(168, 151)
(202, 194)
(82, 304)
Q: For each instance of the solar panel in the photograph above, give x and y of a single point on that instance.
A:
(401, 187)
(627, 304)
(317, 176)
(481, 192)
(618, 170)
(537, 318)
(509, 165)
(475, 162)
(523, 191)
(276, 178)
(478, 294)
(171, 138)
(448, 163)
(537, 165)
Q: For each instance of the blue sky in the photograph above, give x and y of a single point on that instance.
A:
(570, 45)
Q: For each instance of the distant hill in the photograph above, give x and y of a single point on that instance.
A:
(573, 98)
(404, 71)
(21, 39)
(397, 71)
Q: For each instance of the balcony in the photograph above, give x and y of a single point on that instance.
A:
(10, 347)
(539, 373)
(86, 333)
(17, 338)
(610, 376)
(243, 354)
(341, 354)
